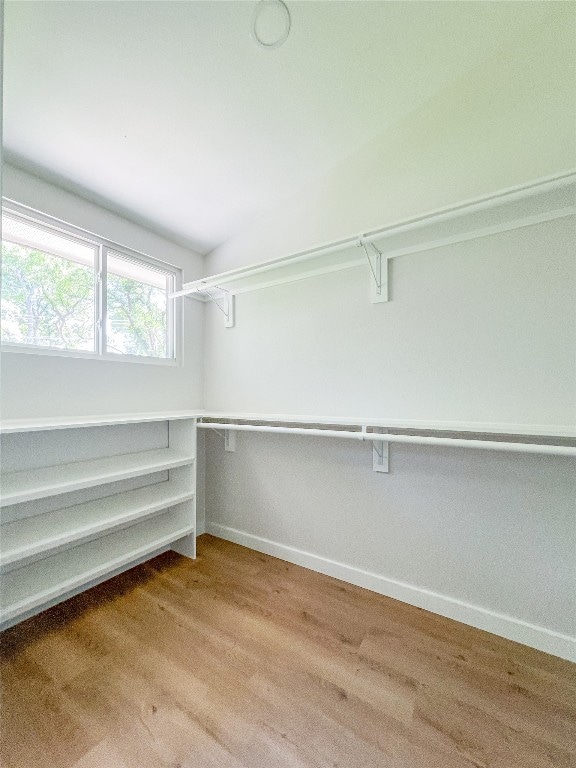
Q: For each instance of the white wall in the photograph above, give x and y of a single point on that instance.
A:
(41, 385)
(483, 331)
(490, 535)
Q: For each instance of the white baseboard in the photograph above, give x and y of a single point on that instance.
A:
(534, 636)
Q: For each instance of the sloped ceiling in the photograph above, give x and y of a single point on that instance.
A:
(169, 113)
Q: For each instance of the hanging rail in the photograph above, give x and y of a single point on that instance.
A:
(451, 442)
(447, 213)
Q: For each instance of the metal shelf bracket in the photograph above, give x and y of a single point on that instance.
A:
(378, 264)
(225, 303)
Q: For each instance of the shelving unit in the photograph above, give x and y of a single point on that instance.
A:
(506, 210)
(46, 581)
(48, 554)
(57, 539)
(30, 538)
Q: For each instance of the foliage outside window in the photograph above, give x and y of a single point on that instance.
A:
(64, 292)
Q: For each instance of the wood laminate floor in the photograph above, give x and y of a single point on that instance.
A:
(240, 660)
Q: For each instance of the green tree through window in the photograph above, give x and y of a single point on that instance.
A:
(136, 317)
(51, 297)
(46, 300)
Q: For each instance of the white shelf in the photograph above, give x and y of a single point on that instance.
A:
(10, 426)
(29, 485)
(472, 427)
(38, 425)
(40, 582)
(41, 535)
(502, 211)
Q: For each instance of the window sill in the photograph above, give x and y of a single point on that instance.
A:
(79, 355)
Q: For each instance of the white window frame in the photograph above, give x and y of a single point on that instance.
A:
(103, 246)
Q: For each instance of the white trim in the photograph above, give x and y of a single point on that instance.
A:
(543, 639)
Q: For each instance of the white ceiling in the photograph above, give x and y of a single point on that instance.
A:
(170, 113)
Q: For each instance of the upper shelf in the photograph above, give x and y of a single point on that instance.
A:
(543, 200)
(543, 430)
(72, 422)
(469, 427)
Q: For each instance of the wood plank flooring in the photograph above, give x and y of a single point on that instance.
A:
(240, 660)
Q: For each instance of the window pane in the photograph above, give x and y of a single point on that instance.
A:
(48, 290)
(137, 301)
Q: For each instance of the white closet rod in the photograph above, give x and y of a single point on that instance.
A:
(486, 445)
(447, 213)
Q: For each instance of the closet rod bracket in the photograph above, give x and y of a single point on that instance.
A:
(380, 453)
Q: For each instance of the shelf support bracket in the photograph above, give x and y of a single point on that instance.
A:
(380, 454)
(378, 264)
(225, 304)
(229, 440)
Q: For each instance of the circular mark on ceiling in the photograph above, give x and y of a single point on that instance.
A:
(271, 23)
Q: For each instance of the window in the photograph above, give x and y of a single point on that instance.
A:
(66, 292)
(137, 303)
